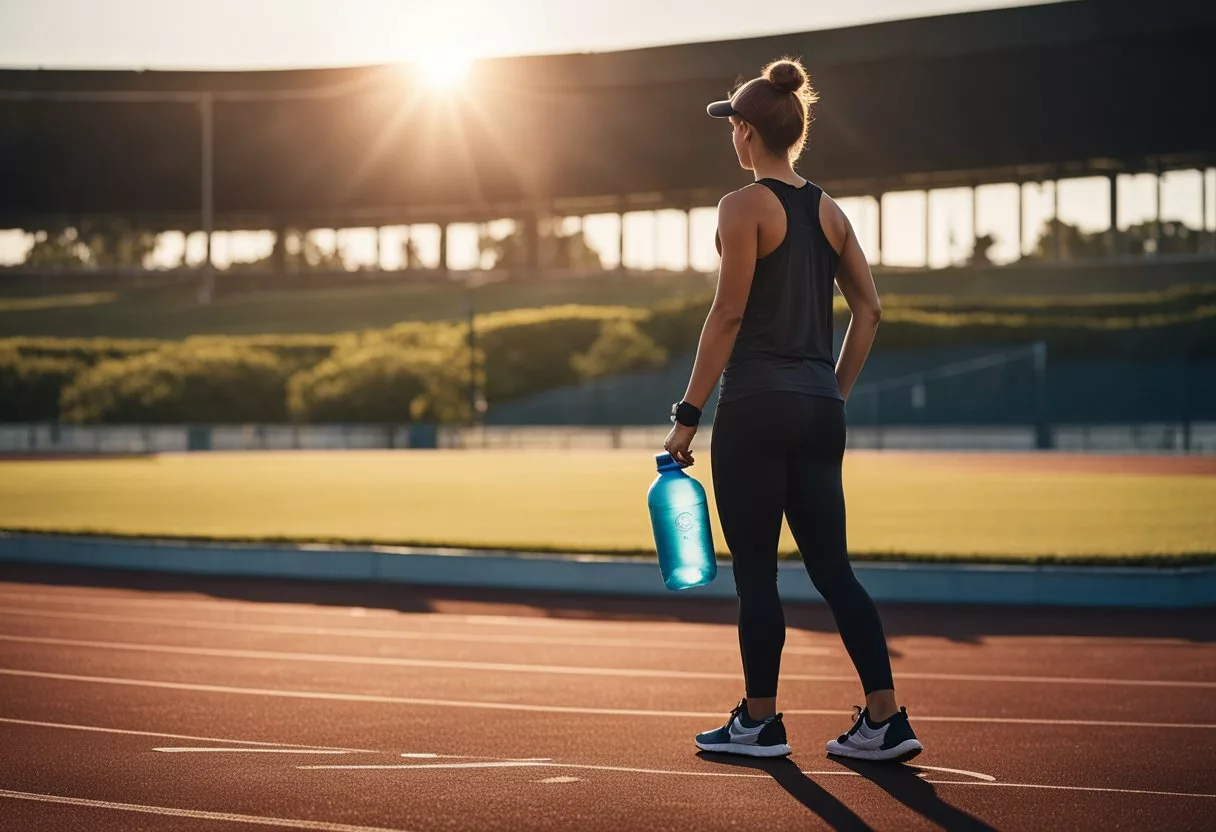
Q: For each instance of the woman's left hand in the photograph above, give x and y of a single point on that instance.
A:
(678, 442)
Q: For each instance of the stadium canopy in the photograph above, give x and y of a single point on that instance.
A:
(1011, 95)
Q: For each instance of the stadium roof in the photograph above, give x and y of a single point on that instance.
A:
(1011, 94)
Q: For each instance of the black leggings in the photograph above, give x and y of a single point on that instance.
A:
(778, 453)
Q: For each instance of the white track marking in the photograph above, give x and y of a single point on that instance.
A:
(400, 767)
(488, 764)
(986, 777)
(499, 667)
(414, 755)
(985, 780)
(415, 635)
(1068, 788)
(1010, 720)
(838, 772)
(183, 750)
(512, 706)
(195, 814)
(101, 730)
(559, 780)
(512, 620)
(385, 661)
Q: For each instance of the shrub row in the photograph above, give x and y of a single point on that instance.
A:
(420, 371)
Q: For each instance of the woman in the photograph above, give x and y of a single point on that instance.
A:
(779, 434)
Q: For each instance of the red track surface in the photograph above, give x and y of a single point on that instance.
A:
(1032, 719)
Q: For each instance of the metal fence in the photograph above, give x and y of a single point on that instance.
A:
(86, 440)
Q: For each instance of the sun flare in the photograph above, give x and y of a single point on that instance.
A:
(443, 70)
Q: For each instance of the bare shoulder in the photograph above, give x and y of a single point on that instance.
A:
(834, 222)
(748, 199)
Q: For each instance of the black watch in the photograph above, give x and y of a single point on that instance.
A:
(686, 414)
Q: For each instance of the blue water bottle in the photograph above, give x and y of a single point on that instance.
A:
(679, 516)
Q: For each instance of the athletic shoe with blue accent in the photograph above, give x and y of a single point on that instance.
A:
(741, 736)
(891, 740)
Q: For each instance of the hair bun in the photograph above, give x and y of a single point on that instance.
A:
(786, 75)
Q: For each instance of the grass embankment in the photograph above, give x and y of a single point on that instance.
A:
(901, 506)
(173, 312)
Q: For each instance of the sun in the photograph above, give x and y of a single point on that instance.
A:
(443, 70)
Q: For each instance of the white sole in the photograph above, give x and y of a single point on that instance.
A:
(745, 750)
(901, 753)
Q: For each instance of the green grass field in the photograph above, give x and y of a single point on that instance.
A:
(900, 505)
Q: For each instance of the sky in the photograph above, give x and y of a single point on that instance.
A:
(249, 34)
(262, 34)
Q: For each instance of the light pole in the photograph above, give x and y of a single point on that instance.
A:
(477, 402)
(206, 107)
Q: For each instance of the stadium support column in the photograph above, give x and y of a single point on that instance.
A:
(1157, 235)
(443, 247)
(1209, 236)
(928, 229)
(1113, 246)
(1055, 219)
(278, 253)
(688, 239)
(530, 226)
(975, 218)
(879, 252)
(1021, 222)
(620, 241)
(206, 110)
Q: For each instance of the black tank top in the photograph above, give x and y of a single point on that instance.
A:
(785, 340)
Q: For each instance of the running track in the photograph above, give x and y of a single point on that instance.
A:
(173, 703)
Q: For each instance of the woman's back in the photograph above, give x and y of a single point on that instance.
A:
(785, 339)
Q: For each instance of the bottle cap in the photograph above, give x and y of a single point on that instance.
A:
(666, 462)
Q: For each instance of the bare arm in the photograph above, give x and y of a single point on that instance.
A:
(738, 227)
(856, 283)
(737, 234)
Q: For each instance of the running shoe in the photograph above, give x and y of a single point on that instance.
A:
(891, 740)
(741, 736)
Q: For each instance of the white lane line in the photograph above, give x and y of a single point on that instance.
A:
(977, 775)
(400, 767)
(195, 814)
(328, 610)
(520, 620)
(838, 772)
(1010, 720)
(423, 635)
(559, 780)
(176, 749)
(986, 780)
(1069, 788)
(623, 672)
(101, 730)
(491, 764)
(385, 661)
(512, 706)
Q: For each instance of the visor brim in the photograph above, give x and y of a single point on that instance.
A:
(721, 109)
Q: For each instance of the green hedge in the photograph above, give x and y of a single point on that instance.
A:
(382, 382)
(420, 370)
(30, 386)
(213, 383)
(530, 350)
(620, 348)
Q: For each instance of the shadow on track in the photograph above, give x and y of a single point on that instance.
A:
(957, 623)
(800, 787)
(903, 782)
